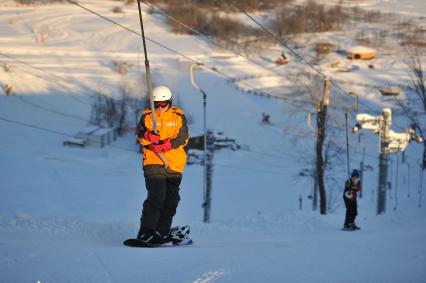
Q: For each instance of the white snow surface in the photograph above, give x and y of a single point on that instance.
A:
(64, 212)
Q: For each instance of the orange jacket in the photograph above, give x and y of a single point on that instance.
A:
(171, 126)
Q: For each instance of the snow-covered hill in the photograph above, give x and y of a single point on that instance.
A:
(64, 212)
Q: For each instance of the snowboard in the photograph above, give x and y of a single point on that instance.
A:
(350, 229)
(178, 234)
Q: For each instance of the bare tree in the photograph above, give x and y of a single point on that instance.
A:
(327, 150)
(414, 106)
(113, 112)
(123, 105)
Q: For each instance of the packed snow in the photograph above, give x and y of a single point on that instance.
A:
(64, 212)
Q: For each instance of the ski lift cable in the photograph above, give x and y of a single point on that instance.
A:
(295, 53)
(54, 75)
(211, 68)
(48, 73)
(252, 169)
(123, 148)
(149, 83)
(46, 109)
(54, 132)
(170, 49)
(301, 58)
(51, 110)
(207, 38)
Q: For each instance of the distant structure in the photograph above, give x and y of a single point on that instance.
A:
(390, 91)
(93, 136)
(361, 53)
(282, 60)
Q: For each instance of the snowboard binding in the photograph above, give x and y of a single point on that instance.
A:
(180, 235)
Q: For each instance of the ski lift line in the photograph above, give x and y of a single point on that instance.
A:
(214, 69)
(300, 57)
(284, 154)
(149, 84)
(47, 72)
(68, 115)
(60, 133)
(56, 76)
(251, 169)
(280, 155)
(25, 23)
(208, 39)
(51, 110)
(57, 82)
(35, 127)
(126, 149)
(54, 132)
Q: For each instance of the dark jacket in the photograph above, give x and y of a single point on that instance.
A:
(351, 190)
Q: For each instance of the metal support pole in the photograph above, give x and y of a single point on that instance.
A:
(383, 184)
(208, 164)
(347, 145)
(208, 168)
(361, 167)
(396, 182)
(385, 123)
(315, 195)
(420, 191)
(408, 181)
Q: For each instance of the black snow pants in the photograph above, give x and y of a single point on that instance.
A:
(351, 211)
(161, 203)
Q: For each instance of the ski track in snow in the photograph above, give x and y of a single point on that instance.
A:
(209, 277)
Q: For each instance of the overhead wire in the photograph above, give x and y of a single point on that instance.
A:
(50, 74)
(53, 131)
(52, 110)
(299, 56)
(132, 150)
(208, 39)
(61, 113)
(167, 48)
(178, 53)
(295, 53)
(212, 68)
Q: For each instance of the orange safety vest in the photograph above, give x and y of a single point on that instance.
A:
(171, 126)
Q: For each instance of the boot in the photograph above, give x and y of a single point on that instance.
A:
(153, 238)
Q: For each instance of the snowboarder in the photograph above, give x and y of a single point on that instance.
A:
(162, 182)
(352, 187)
(8, 88)
(265, 118)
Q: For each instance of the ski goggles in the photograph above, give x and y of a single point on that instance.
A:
(162, 104)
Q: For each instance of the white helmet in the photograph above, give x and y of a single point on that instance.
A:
(162, 93)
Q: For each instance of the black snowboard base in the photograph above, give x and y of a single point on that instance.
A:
(135, 243)
(350, 229)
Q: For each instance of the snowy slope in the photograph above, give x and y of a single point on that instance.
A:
(64, 212)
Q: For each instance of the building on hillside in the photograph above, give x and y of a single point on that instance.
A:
(93, 136)
(361, 53)
(282, 60)
(390, 91)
